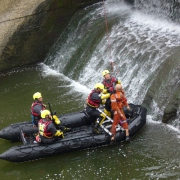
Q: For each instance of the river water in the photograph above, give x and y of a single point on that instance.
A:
(138, 45)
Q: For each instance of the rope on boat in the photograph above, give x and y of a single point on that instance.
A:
(107, 34)
(114, 69)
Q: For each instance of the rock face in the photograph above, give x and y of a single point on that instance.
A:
(165, 90)
(171, 110)
(30, 28)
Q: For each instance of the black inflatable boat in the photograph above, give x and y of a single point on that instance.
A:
(80, 137)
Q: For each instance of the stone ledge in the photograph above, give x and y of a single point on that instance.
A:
(32, 28)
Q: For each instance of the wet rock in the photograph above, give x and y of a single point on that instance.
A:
(170, 113)
(30, 28)
(164, 91)
(171, 110)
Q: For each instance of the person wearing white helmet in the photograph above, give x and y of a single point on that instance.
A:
(47, 132)
(36, 108)
(109, 83)
(94, 100)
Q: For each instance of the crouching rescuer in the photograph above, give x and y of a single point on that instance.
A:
(47, 130)
(95, 99)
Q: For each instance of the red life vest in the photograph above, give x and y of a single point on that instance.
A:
(32, 108)
(42, 125)
(109, 84)
(92, 102)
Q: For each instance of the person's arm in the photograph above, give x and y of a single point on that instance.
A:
(51, 128)
(104, 96)
(125, 102)
(38, 109)
(99, 97)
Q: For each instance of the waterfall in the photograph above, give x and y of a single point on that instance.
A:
(162, 8)
(144, 49)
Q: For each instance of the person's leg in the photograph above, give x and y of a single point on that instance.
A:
(100, 117)
(125, 126)
(107, 108)
(114, 124)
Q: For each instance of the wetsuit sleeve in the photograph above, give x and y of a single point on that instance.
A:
(105, 96)
(51, 128)
(99, 97)
(105, 91)
(96, 97)
(37, 109)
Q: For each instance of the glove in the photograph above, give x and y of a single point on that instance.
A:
(111, 89)
(56, 120)
(59, 133)
(105, 91)
(105, 96)
(113, 92)
(64, 129)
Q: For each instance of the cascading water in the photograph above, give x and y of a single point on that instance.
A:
(144, 49)
(163, 8)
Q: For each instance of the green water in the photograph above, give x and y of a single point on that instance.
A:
(152, 154)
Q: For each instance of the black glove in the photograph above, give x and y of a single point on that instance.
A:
(113, 92)
(66, 129)
(63, 128)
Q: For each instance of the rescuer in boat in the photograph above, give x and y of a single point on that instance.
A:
(109, 83)
(47, 130)
(36, 108)
(118, 101)
(94, 100)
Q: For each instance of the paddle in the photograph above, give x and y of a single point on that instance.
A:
(57, 121)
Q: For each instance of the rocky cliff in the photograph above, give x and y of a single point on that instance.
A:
(30, 28)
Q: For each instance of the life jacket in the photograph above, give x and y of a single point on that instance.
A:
(32, 108)
(92, 102)
(42, 125)
(110, 83)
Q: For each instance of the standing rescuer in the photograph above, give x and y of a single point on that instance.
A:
(109, 83)
(118, 101)
(94, 100)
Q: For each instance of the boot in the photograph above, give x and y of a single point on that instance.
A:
(113, 140)
(95, 128)
(127, 139)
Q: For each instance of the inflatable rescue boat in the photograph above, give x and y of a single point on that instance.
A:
(80, 137)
